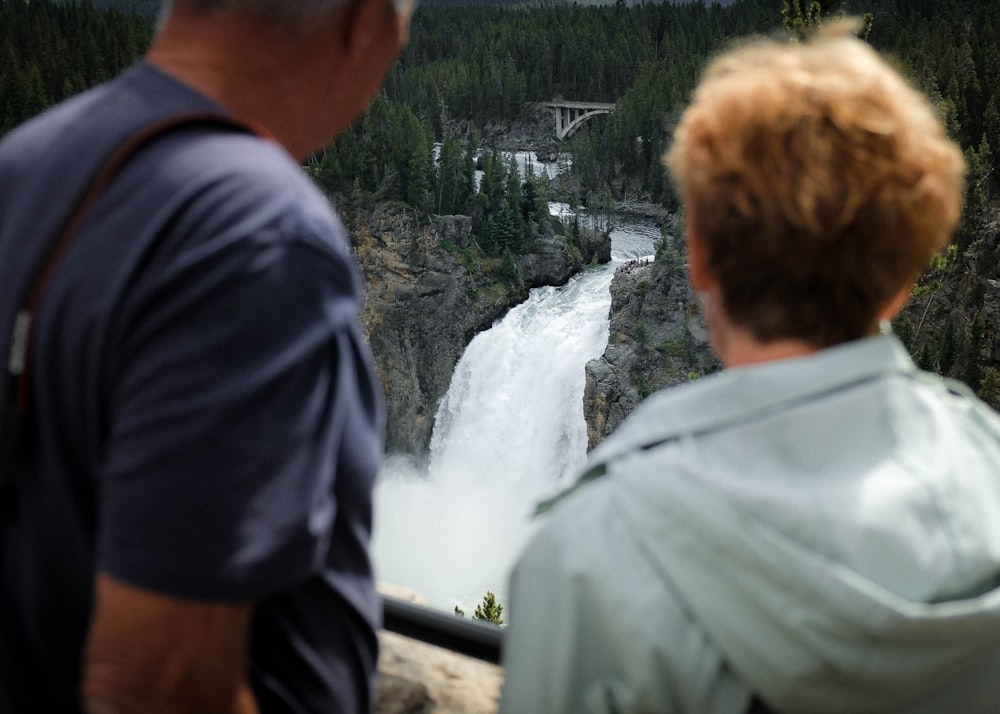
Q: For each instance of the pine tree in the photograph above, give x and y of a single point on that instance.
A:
(489, 609)
(508, 268)
(803, 17)
(989, 387)
(948, 348)
(449, 176)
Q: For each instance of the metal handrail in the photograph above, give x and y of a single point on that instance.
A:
(473, 638)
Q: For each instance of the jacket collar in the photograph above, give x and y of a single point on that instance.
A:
(743, 394)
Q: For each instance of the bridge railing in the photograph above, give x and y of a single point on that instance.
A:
(472, 638)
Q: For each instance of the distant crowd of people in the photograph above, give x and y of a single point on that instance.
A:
(193, 425)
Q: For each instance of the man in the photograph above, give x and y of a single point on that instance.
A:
(192, 503)
(817, 527)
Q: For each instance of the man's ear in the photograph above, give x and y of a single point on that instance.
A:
(363, 22)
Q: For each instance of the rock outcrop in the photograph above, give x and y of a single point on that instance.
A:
(658, 338)
(418, 678)
(429, 291)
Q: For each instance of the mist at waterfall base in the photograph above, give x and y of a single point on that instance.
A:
(509, 433)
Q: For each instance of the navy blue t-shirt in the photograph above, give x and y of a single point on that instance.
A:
(208, 424)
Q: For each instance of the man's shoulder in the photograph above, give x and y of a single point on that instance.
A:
(58, 151)
(98, 111)
(207, 152)
(37, 140)
(238, 181)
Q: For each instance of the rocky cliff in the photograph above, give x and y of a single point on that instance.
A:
(657, 338)
(430, 290)
(951, 324)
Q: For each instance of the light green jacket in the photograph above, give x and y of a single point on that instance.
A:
(823, 532)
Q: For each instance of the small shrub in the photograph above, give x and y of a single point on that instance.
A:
(489, 610)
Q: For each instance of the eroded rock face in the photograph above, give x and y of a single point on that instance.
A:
(951, 325)
(426, 298)
(657, 339)
(417, 678)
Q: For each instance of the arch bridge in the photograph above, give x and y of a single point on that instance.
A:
(570, 115)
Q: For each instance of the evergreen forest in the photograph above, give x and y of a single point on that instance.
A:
(472, 67)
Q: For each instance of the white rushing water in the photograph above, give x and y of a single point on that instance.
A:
(528, 161)
(509, 432)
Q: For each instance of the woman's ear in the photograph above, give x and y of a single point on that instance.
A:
(697, 259)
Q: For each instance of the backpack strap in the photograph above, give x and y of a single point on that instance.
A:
(18, 365)
(757, 706)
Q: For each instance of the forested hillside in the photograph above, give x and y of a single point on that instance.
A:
(49, 51)
(467, 67)
(471, 67)
(483, 63)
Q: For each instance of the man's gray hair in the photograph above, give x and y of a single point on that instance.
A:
(296, 15)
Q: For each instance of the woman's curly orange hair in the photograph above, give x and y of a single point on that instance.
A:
(819, 182)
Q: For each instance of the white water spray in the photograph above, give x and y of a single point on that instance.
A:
(509, 432)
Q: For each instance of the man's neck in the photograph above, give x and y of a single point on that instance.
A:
(256, 74)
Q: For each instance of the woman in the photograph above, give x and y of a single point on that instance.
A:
(817, 527)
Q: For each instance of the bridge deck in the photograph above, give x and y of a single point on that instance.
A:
(555, 104)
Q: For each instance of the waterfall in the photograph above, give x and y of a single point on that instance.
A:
(509, 432)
